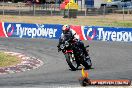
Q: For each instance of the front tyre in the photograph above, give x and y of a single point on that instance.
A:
(71, 61)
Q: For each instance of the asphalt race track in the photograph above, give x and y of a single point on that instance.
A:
(111, 60)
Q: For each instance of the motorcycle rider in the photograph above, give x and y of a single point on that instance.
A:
(67, 33)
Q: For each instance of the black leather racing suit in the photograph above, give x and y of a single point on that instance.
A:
(68, 35)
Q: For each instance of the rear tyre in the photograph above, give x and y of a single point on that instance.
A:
(71, 61)
(87, 63)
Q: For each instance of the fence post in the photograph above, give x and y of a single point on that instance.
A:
(104, 11)
(33, 7)
(19, 8)
(3, 8)
(128, 12)
(45, 6)
(54, 6)
(85, 10)
(123, 13)
(81, 5)
(51, 9)
(68, 11)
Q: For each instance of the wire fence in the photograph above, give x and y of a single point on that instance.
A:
(21, 9)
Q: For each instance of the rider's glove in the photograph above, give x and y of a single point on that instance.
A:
(75, 40)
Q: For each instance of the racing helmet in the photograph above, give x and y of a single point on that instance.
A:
(65, 28)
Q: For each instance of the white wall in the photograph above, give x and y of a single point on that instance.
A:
(79, 3)
(97, 3)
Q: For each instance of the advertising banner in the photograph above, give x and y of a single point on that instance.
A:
(24, 30)
(53, 31)
(2, 32)
(107, 33)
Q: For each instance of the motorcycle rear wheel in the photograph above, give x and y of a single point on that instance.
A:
(87, 64)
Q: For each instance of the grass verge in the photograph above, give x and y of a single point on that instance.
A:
(8, 60)
(113, 20)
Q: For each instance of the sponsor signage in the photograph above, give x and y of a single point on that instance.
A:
(107, 33)
(23, 30)
(53, 31)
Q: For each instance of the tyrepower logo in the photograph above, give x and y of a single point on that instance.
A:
(89, 33)
(33, 32)
(106, 34)
(10, 30)
(114, 36)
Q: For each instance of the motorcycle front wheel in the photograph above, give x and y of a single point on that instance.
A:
(71, 61)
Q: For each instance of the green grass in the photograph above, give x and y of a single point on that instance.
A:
(113, 20)
(122, 24)
(8, 60)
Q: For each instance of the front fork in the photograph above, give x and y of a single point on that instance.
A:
(76, 58)
(72, 55)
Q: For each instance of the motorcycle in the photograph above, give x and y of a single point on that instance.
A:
(74, 55)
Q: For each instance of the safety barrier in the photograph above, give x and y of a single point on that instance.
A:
(53, 31)
(24, 30)
(107, 33)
